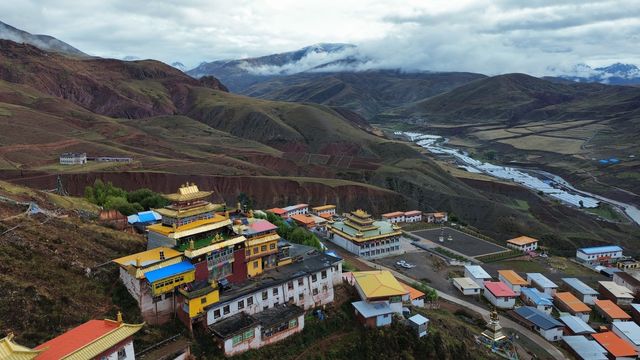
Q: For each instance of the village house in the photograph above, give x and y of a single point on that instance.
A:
(113, 218)
(523, 243)
(394, 217)
(436, 217)
(361, 235)
(541, 322)
(629, 281)
(628, 264)
(278, 211)
(73, 158)
(499, 294)
(416, 297)
(575, 325)
(619, 294)
(628, 331)
(599, 255)
(310, 222)
(413, 216)
(542, 283)
(295, 210)
(581, 290)
(585, 349)
(466, 286)
(242, 332)
(610, 311)
(537, 299)
(95, 339)
(325, 211)
(477, 274)
(512, 279)
(382, 296)
(635, 312)
(566, 301)
(617, 348)
(419, 324)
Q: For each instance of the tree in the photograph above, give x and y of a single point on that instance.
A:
(122, 205)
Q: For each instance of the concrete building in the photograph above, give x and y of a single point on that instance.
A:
(324, 210)
(73, 158)
(373, 315)
(295, 210)
(566, 301)
(436, 217)
(394, 217)
(628, 331)
(420, 324)
(581, 290)
(585, 349)
(628, 264)
(617, 348)
(361, 235)
(542, 283)
(466, 286)
(541, 322)
(416, 297)
(499, 294)
(382, 296)
(635, 312)
(512, 279)
(610, 311)
(477, 274)
(242, 332)
(629, 281)
(575, 325)
(523, 243)
(413, 216)
(619, 294)
(599, 255)
(537, 299)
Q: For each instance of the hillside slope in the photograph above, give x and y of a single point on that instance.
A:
(44, 42)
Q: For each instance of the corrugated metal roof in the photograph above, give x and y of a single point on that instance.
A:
(576, 324)
(572, 302)
(541, 280)
(611, 309)
(630, 329)
(418, 319)
(477, 271)
(539, 318)
(536, 296)
(171, 270)
(466, 283)
(498, 288)
(579, 286)
(586, 349)
(9, 350)
(618, 291)
(600, 249)
(512, 277)
(615, 345)
(372, 309)
(376, 284)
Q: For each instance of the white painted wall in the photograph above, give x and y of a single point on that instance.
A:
(500, 302)
(554, 334)
(258, 341)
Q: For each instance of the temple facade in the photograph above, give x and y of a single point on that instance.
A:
(365, 237)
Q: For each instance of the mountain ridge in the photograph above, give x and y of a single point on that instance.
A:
(44, 42)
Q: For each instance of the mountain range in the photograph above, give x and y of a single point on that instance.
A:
(615, 74)
(44, 42)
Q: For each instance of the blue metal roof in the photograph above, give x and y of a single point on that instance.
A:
(536, 296)
(148, 216)
(539, 318)
(600, 249)
(576, 324)
(169, 271)
(579, 286)
(585, 348)
(541, 280)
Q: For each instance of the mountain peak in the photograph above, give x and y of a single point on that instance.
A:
(43, 42)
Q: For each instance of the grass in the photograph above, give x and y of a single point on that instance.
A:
(605, 211)
(562, 146)
(500, 256)
(569, 267)
(450, 254)
(522, 265)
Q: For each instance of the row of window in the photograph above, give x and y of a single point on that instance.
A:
(283, 326)
(247, 335)
(381, 251)
(161, 284)
(187, 220)
(381, 243)
(263, 248)
(603, 255)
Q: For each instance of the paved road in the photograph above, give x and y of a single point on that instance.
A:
(505, 322)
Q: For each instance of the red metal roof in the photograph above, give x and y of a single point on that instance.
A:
(413, 213)
(499, 289)
(615, 345)
(75, 339)
(393, 214)
(262, 225)
(277, 211)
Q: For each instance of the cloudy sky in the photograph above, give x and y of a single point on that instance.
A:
(492, 37)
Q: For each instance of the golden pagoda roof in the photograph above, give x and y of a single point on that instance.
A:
(361, 214)
(191, 211)
(9, 350)
(191, 228)
(187, 192)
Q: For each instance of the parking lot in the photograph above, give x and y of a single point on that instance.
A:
(460, 242)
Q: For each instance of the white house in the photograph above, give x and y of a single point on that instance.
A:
(324, 210)
(512, 279)
(73, 158)
(306, 284)
(394, 217)
(477, 274)
(523, 243)
(550, 328)
(499, 294)
(542, 283)
(619, 294)
(436, 217)
(242, 332)
(537, 299)
(599, 255)
(466, 286)
(581, 290)
(420, 324)
(296, 209)
(413, 216)
(629, 331)
(373, 314)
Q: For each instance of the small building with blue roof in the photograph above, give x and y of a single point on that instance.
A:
(537, 299)
(541, 322)
(542, 283)
(167, 278)
(599, 255)
(582, 291)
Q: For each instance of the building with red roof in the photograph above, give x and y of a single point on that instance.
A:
(277, 211)
(615, 346)
(95, 339)
(499, 294)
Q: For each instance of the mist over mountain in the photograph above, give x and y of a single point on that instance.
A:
(44, 42)
(614, 74)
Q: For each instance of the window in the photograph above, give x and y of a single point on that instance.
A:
(314, 277)
(301, 297)
(300, 282)
(290, 285)
(265, 295)
(323, 274)
(275, 291)
(255, 250)
(216, 313)
(248, 252)
(226, 310)
(237, 339)
(263, 248)
(272, 246)
(325, 288)
(250, 301)
(241, 304)
(293, 323)
(255, 264)
(203, 300)
(122, 354)
(249, 334)
(315, 292)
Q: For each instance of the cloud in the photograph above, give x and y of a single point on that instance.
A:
(466, 35)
